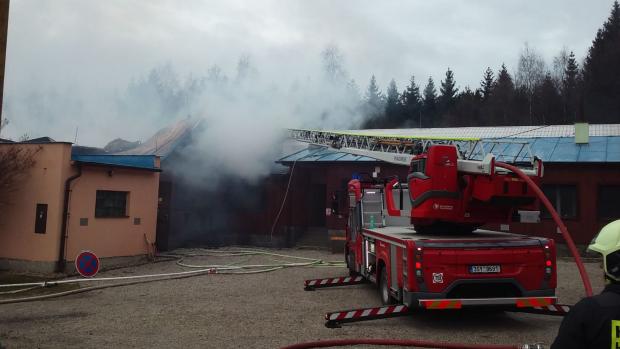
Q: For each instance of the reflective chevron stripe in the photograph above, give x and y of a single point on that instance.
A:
(442, 304)
(360, 314)
(560, 308)
(534, 302)
(334, 281)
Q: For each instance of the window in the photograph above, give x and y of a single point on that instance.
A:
(40, 222)
(608, 202)
(418, 165)
(111, 204)
(563, 198)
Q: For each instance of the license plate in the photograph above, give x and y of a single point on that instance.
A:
(484, 269)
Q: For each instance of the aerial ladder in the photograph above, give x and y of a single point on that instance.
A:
(401, 149)
(455, 185)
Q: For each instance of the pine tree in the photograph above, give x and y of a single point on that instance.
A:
(448, 90)
(486, 85)
(570, 90)
(373, 95)
(601, 72)
(392, 106)
(412, 104)
(467, 111)
(547, 102)
(373, 105)
(429, 103)
(502, 97)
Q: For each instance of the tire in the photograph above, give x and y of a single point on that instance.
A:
(350, 259)
(384, 289)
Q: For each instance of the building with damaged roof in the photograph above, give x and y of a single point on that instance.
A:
(68, 202)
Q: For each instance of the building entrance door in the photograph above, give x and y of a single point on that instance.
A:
(316, 205)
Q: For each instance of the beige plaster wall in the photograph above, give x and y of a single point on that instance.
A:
(43, 184)
(112, 237)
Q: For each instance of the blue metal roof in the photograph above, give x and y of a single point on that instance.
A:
(317, 154)
(143, 162)
(564, 149)
(549, 149)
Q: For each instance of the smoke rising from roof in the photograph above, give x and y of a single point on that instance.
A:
(245, 116)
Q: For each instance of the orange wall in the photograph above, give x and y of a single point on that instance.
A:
(42, 184)
(110, 237)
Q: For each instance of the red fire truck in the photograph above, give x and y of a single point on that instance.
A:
(419, 241)
(444, 269)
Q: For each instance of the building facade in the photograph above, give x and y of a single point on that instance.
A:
(303, 201)
(581, 179)
(64, 204)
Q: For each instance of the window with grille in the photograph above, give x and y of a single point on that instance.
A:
(608, 202)
(111, 204)
(418, 166)
(563, 197)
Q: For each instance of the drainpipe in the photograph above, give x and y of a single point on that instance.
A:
(60, 267)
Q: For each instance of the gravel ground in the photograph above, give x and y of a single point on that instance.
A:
(267, 310)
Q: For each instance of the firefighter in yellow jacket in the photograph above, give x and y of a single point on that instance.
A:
(594, 322)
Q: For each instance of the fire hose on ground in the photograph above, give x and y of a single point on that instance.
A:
(405, 343)
(201, 270)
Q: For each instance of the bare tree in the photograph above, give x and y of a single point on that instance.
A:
(333, 64)
(530, 73)
(215, 77)
(245, 69)
(15, 161)
(560, 63)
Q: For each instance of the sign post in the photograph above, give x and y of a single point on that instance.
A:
(87, 264)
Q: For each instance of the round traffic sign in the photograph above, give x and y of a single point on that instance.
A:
(87, 264)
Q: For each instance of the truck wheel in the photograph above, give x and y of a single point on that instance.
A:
(384, 289)
(350, 259)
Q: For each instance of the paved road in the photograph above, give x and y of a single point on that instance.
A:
(266, 310)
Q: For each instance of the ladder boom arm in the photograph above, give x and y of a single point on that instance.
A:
(401, 149)
(392, 158)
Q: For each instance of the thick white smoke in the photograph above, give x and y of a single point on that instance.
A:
(245, 117)
(68, 61)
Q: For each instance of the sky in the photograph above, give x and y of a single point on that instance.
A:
(78, 55)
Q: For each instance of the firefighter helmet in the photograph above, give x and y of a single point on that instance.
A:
(607, 243)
